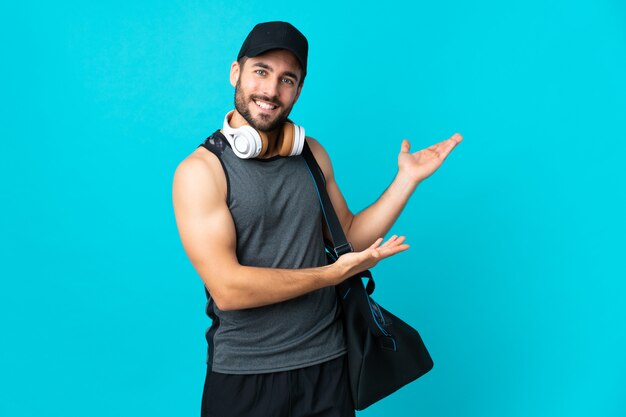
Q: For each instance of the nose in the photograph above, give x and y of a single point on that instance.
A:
(270, 87)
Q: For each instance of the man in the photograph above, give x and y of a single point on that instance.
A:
(251, 224)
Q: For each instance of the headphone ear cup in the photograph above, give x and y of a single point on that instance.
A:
(246, 142)
(298, 140)
(285, 147)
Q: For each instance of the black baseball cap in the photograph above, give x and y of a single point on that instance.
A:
(276, 35)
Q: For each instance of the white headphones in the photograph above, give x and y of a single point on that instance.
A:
(247, 142)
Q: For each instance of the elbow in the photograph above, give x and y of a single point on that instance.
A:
(355, 235)
(217, 300)
(224, 292)
(349, 224)
(226, 304)
(347, 227)
(225, 298)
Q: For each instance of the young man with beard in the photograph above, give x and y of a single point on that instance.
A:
(250, 221)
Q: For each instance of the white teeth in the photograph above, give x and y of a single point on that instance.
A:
(265, 105)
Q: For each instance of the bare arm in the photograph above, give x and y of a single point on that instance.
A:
(376, 220)
(208, 235)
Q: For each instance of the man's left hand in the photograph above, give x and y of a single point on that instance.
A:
(422, 164)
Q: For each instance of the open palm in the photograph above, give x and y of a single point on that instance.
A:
(422, 164)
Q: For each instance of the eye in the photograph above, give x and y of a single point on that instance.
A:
(260, 72)
(288, 81)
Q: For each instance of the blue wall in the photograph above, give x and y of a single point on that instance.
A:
(515, 277)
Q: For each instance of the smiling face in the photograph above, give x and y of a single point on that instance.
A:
(266, 88)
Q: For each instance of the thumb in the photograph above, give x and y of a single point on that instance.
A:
(405, 146)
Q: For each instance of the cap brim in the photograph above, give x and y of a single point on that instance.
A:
(260, 49)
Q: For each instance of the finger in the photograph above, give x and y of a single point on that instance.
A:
(446, 148)
(406, 146)
(401, 248)
(443, 148)
(376, 243)
(437, 147)
(399, 240)
(390, 240)
(395, 242)
(373, 250)
(453, 141)
(387, 252)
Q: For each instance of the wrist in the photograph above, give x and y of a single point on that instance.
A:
(333, 274)
(406, 182)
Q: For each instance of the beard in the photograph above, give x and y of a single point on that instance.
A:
(263, 122)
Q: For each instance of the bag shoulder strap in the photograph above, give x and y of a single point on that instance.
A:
(340, 243)
(216, 143)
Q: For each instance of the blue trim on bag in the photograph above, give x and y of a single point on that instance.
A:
(319, 197)
(369, 302)
(346, 294)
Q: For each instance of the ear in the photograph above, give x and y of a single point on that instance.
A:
(234, 73)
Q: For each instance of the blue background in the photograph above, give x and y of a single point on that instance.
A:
(515, 277)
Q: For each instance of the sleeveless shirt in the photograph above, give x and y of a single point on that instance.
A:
(278, 223)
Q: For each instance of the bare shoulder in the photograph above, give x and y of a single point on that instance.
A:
(200, 173)
(321, 156)
(204, 223)
(316, 147)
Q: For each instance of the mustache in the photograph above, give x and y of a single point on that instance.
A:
(267, 99)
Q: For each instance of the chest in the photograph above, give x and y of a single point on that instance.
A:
(272, 194)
